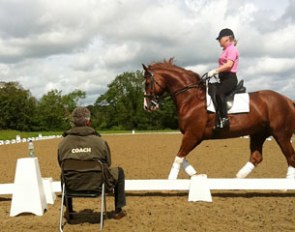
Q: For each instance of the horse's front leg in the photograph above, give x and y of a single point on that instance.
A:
(189, 142)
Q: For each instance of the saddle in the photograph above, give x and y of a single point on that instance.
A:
(230, 97)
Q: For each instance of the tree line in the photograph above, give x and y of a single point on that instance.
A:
(119, 108)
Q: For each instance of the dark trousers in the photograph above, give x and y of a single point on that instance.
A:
(228, 82)
(119, 192)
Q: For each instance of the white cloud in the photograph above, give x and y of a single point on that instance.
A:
(84, 45)
(4, 69)
(271, 66)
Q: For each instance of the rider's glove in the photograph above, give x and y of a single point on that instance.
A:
(212, 73)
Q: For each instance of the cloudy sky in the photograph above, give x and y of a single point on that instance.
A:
(68, 45)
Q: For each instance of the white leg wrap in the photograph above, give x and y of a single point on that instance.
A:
(291, 173)
(188, 168)
(246, 170)
(175, 168)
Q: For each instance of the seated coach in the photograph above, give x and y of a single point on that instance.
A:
(83, 142)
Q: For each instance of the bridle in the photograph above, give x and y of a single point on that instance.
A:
(155, 99)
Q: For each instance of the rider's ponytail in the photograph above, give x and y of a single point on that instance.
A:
(232, 38)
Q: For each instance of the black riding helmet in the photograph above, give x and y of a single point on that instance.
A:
(225, 32)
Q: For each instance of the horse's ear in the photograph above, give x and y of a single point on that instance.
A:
(145, 67)
(171, 60)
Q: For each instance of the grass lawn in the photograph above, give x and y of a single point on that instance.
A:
(11, 134)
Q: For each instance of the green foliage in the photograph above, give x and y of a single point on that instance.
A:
(50, 110)
(70, 100)
(54, 109)
(20, 111)
(11, 134)
(121, 107)
(17, 107)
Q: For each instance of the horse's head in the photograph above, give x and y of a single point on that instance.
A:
(165, 76)
(154, 88)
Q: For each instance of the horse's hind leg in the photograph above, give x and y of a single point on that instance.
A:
(256, 144)
(287, 149)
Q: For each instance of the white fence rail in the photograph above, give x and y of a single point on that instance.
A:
(184, 184)
(214, 184)
(18, 139)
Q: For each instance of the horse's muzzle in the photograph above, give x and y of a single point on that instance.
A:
(151, 104)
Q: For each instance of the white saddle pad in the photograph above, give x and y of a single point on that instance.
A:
(241, 104)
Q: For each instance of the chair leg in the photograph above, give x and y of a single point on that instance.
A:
(61, 208)
(102, 206)
(105, 205)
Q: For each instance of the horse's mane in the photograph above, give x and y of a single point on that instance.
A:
(167, 64)
(170, 65)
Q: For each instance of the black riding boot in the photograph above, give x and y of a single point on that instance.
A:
(223, 120)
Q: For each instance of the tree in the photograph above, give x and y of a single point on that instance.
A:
(70, 100)
(17, 107)
(121, 107)
(54, 109)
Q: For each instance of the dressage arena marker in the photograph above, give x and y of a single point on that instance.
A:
(199, 189)
(28, 191)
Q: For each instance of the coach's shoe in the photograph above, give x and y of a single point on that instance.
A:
(119, 213)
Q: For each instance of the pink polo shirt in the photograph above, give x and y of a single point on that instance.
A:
(230, 53)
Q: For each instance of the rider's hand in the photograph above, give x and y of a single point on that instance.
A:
(212, 73)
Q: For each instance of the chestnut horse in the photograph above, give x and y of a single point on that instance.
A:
(271, 114)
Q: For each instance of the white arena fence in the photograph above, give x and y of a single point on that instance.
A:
(31, 193)
(260, 184)
(18, 139)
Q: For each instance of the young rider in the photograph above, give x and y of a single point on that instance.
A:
(228, 67)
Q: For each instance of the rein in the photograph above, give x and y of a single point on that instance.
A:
(186, 88)
(203, 80)
(155, 98)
